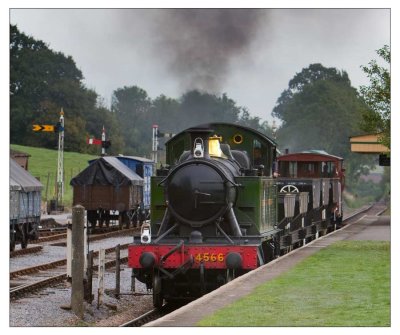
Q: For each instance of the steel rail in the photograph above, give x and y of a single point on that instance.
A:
(151, 315)
(55, 264)
(20, 290)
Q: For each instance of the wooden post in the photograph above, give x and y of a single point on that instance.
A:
(117, 271)
(69, 251)
(100, 290)
(89, 275)
(78, 215)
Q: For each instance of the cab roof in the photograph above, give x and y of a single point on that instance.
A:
(309, 156)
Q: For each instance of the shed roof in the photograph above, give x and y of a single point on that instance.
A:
(16, 153)
(136, 158)
(107, 171)
(20, 179)
(131, 158)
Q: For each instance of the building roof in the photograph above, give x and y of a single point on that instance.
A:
(107, 171)
(22, 180)
(367, 144)
(16, 153)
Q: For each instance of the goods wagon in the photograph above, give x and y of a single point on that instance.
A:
(108, 190)
(144, 168)
(25, 206)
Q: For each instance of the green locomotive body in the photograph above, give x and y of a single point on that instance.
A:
(216, 213)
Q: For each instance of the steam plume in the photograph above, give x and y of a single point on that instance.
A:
(198, 44)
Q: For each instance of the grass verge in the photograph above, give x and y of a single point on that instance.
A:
(346, 284)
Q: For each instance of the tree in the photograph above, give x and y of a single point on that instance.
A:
(131, 106)
(198, 107)
(41, 83)
(376, 118)
(319, 110)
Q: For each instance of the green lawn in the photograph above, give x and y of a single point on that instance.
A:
(346, 284)
(43, 164)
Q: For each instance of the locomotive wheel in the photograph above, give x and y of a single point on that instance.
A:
(157, 292)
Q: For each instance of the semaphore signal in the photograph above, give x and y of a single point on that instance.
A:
(105, 144)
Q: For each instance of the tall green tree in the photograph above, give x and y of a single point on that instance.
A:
(198, 107)
(131, 106)
(376, 118)
(319, 110)
(164, 112)
(41, 83)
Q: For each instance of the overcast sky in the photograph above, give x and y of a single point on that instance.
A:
(249, 54)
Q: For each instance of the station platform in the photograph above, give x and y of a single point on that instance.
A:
(368, 227)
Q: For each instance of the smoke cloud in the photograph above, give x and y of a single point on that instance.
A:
(198, 45)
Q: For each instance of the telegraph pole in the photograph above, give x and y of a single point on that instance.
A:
(60, 161)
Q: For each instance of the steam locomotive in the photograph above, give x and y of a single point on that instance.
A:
(217, 213)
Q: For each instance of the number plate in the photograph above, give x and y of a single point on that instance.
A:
(209, 257)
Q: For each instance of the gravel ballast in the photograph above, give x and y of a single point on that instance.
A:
(45, 308)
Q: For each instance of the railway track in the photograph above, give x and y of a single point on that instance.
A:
(28, 280)
(92, 237)
(55, 235)
(29, 250)
(149, 316)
